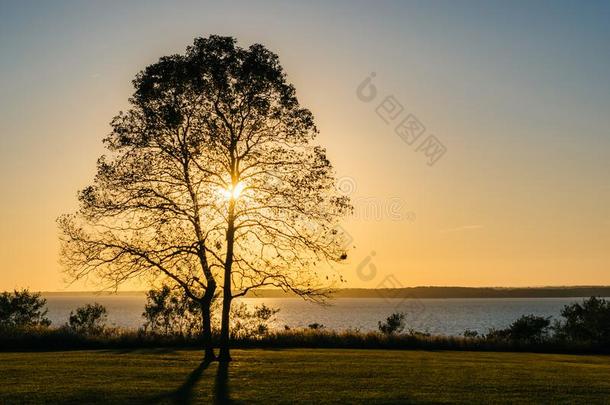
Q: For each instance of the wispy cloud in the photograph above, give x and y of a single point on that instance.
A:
(461, 228)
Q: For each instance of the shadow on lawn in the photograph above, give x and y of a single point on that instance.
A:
(221, 386)
(184, 393)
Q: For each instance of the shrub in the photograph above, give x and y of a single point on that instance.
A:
(88, 320)
(22, 309)
(170, 312)
(497, 334)
(251, 323)
(315, 326)
(418, 333)
(470, 334)
(586, 321)
(528, 328)
(394, 323)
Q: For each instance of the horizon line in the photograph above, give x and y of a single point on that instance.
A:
(350, 288)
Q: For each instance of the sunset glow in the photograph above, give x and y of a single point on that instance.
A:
(309, 202)
(520, 197)
(233, 193)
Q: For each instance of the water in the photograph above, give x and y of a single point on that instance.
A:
(449, 316)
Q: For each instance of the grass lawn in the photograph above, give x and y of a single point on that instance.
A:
(303, 375)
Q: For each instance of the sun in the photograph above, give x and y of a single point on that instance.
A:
(232, 193)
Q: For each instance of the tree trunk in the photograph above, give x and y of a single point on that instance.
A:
(225, 356)
(206, 329)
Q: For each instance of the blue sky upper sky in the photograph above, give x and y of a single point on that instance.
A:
(518, 92)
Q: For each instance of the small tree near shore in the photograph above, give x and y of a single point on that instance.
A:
(22, 309)
(89, 319)
(394, 323)
(586, 321)
(170, 312)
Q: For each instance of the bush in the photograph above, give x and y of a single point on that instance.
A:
(170, 312)
(497, 334)
(88, 320)
(528, 328)
(394, 323)
(22, 309)
(253, 323)
(589, 321)
(471, 334)
(315, 326)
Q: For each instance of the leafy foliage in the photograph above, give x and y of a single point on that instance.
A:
(471, 334)
(89, 319)
(22, 309)
(394, 323)
(170, 312)
(586, 321)
(528, 328)
(251, 323)
(200, 125)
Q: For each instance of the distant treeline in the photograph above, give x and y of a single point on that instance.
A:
(421, 292)
(458, 292)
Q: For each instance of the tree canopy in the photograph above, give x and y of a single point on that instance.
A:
(212, 177)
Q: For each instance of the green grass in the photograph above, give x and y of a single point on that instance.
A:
(304, 375)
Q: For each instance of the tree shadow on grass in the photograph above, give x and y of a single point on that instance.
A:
(221, 386)
(184, 393)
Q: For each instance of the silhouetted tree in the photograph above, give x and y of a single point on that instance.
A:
(22, 309)
(251, 322)
(212, 179)
(471, 334)
(89, 319)
(394, 323)
(586, 321)
(169, 312)
(530, 328)
(527, 328)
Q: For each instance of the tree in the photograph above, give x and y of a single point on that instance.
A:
(394, 323)
(22, 309)
(586, 321)
(470, 334)
(213, 179)
(169, 312)
(89, 319)
(530, 328)
(527, 328)
(251, 323)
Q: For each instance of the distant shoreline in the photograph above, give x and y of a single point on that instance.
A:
(412, 292)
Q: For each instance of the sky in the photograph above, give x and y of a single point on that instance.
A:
(516, 93)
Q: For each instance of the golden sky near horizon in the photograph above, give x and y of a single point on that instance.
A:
(518, 95)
